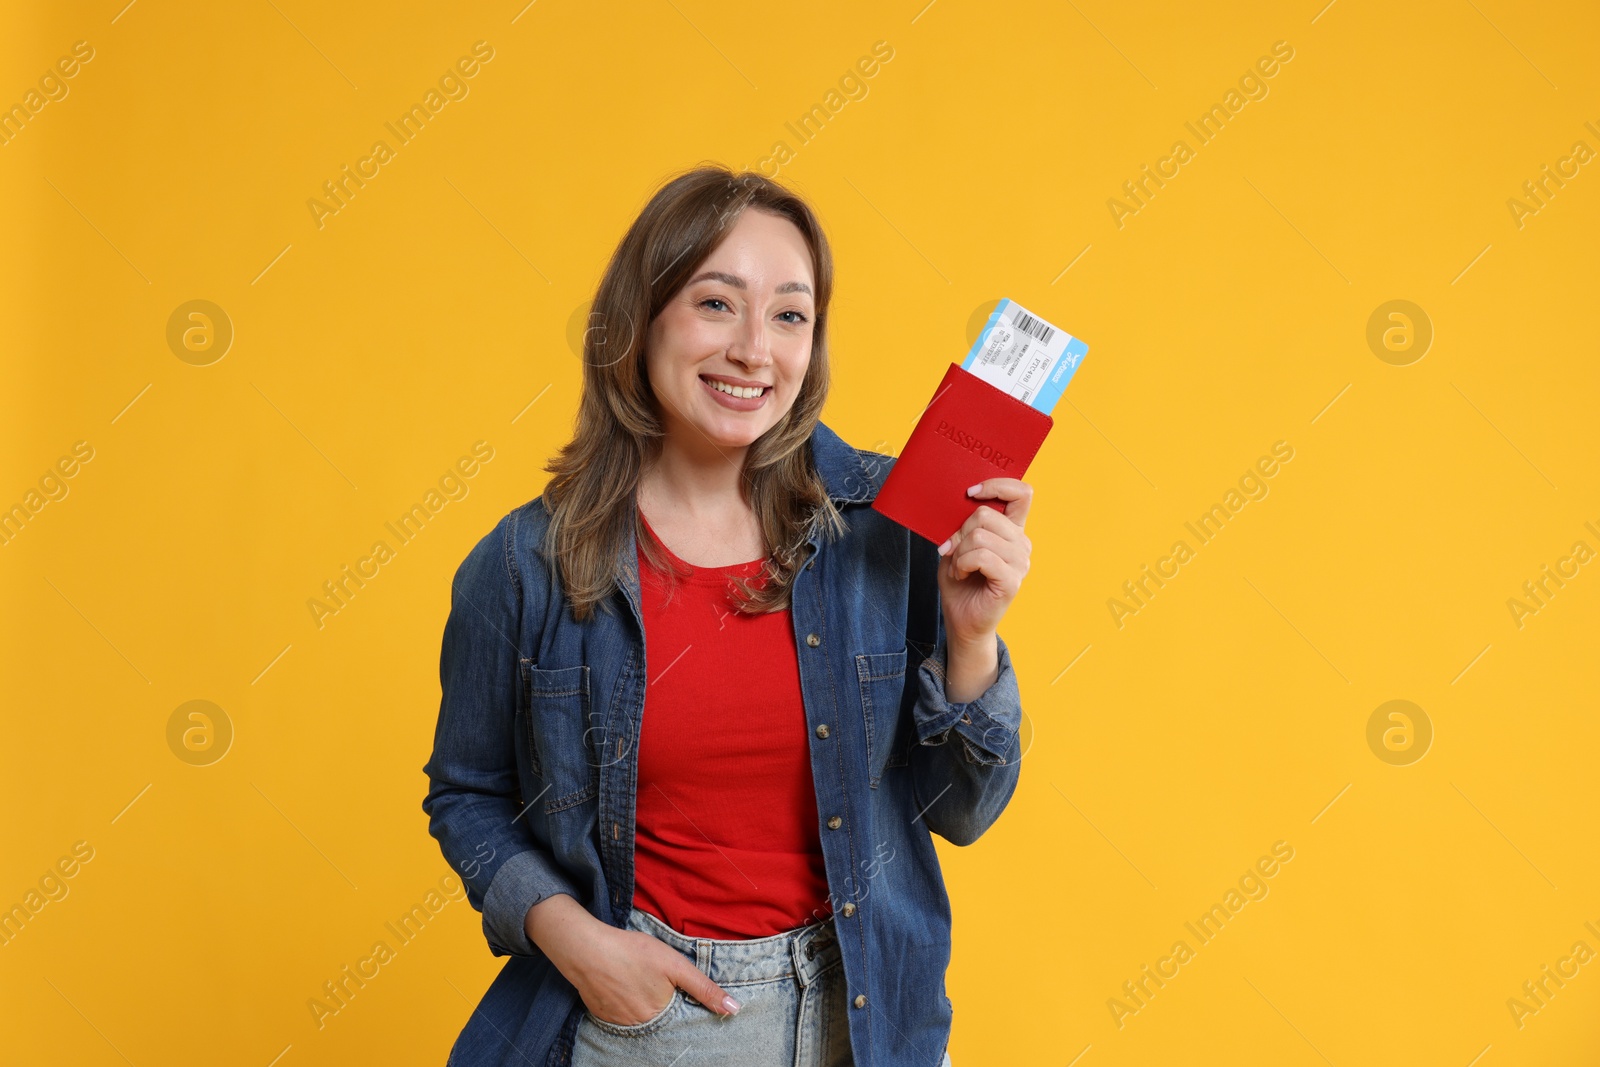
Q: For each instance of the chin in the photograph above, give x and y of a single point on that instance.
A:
(726, 436)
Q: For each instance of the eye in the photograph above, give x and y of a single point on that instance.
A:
(799, 317)
(713, 300)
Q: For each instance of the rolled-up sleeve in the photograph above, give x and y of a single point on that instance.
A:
(961, 789)
(987, 725)
(474, 804)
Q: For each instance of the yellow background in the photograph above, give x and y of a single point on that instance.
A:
(1229, 313)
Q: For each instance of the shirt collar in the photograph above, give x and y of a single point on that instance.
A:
(844, 474)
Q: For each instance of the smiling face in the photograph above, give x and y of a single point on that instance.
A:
(727, 354)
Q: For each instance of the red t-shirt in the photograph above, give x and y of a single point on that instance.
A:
(727, 844)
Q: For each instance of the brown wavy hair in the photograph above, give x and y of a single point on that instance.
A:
(591, 494)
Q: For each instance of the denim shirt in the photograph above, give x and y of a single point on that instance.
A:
(533, 773)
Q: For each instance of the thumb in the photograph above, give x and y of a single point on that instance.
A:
(697, 984)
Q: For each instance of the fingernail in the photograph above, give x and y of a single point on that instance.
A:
(730, 1005)
(944, 547)
(974, 488)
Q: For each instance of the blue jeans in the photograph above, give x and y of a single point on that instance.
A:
(793, 1010)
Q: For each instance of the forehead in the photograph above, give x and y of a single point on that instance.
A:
(762, 249)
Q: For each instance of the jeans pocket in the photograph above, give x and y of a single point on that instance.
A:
(649, 1026)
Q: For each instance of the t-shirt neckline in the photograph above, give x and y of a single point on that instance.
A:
(700, 574)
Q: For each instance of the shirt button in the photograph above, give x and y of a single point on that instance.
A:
(861, 1000)
(813, 640)
(834, 822)
(822, 731)
(848, 910)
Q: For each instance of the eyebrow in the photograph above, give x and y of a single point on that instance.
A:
(738, 282)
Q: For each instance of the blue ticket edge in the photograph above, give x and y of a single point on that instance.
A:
(1049, 394)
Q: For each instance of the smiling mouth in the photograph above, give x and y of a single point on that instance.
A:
(742, 392)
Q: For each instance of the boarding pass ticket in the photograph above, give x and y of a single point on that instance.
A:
(1024, 356)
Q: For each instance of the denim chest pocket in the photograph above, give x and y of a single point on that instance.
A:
(882, 677)
(557, 706)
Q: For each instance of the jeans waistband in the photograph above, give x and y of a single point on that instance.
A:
(803, 952)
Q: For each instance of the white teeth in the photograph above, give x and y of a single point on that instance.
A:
(734, 390)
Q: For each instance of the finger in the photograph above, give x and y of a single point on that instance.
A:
(695, 982)
(990, 564)
(1017, 494)
(984, 518)
(1001, 536)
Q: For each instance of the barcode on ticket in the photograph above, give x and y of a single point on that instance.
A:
(1041, 330)
(1025, 356)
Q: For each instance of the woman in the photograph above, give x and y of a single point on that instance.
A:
(680, 761)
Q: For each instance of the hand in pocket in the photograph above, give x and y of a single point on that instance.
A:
(631, 977)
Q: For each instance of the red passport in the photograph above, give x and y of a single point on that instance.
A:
(969, 431)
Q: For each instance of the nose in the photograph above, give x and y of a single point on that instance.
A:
(750, 346)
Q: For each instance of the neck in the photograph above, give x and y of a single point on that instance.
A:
(698, 478)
